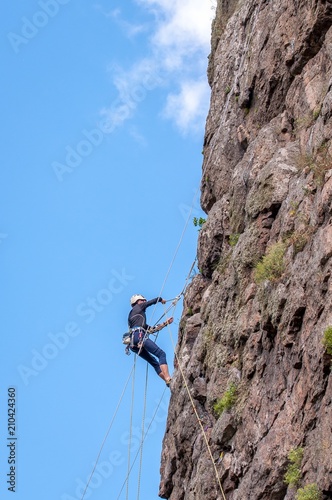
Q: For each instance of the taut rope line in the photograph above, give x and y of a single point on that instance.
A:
(142, 436)
(131, 424)
(106, 435)
(197, 416)
(145, 435)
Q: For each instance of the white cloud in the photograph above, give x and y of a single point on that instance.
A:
(130, 29)
(179, 47)
(188, 108)
(182, 29)
(144, 73)
(132, 87)
(186, 23)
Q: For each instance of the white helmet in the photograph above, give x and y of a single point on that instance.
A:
(135, 298)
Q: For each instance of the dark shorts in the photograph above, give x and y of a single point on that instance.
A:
(150, 351)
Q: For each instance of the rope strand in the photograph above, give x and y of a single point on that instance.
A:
(106, 435)
(142, 438)
(131, 424)
(197, 416)
(145, 435)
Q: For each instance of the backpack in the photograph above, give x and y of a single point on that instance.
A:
(126, 338)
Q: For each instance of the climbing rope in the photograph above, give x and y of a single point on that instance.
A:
(180, 241)
(145, 435)
(140, 451)
(196, 414)
(142, 436)
(177, 250)
(178, 297)
(131, 423)
(174, 302)
(130, 467)
(106, 435)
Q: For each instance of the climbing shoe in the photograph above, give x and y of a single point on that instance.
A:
(168, 382)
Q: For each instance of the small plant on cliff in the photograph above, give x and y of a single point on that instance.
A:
(223, 263)
(271, 266)
(199, 221)
(227, 400)
(294, 205)
(316, 112)
(309, 492)
(233, 239)
(318, 163)
(298, 239)
(293, 473)
(327, 340)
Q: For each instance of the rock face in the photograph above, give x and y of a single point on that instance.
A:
(255, 318)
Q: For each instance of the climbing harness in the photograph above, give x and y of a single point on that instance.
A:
(141, 338)
(128, 337)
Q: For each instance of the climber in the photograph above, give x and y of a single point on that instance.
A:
(140, 342)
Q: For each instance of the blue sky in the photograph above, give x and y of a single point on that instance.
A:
(103, 108)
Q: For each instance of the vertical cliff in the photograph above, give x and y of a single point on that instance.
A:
(252, 386)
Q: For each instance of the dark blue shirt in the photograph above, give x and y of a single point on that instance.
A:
(137, 316)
